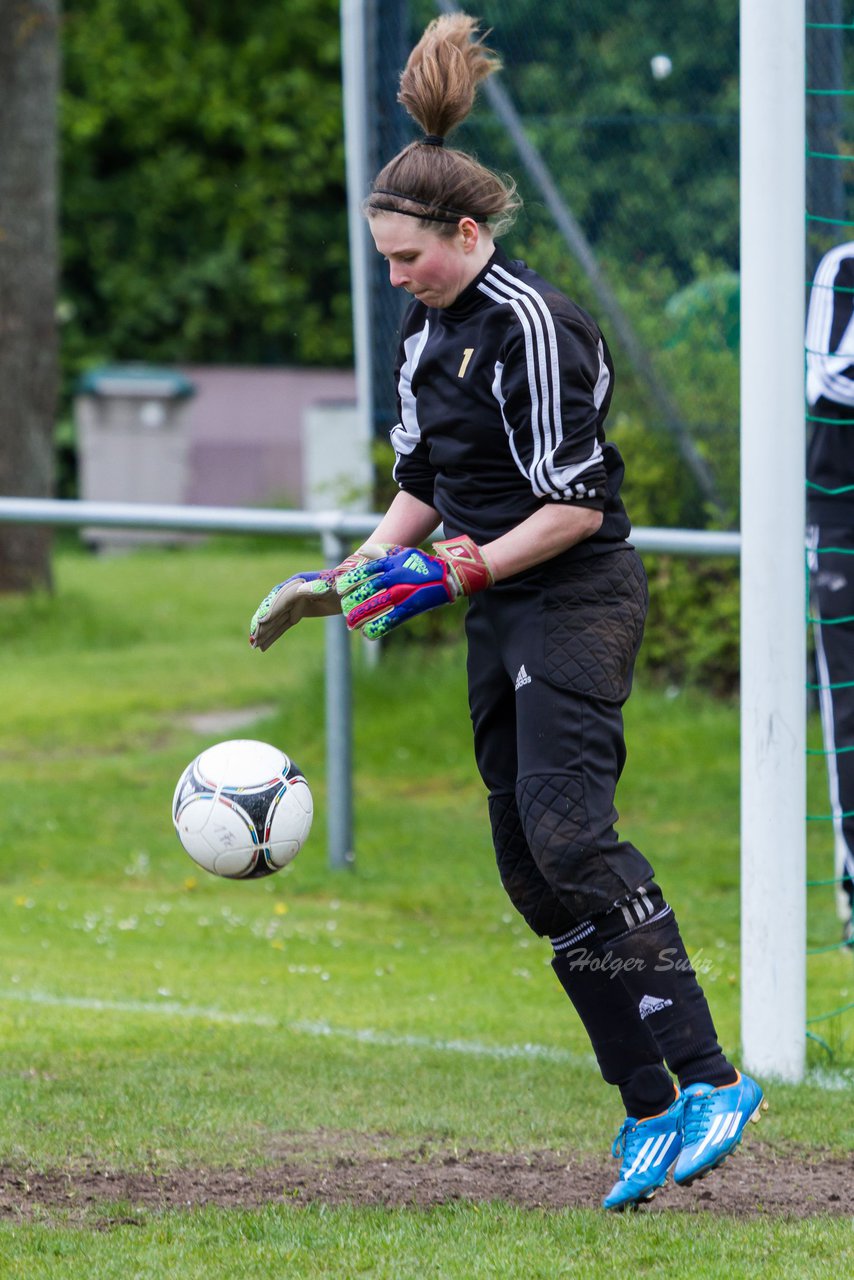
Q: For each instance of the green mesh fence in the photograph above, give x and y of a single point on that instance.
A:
(829, 222)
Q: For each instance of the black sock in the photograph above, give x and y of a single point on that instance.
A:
(662, 986)
(626, 1051)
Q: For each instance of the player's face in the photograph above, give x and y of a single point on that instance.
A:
(434, 268)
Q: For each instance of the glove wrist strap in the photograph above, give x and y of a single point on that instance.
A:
(467, 563)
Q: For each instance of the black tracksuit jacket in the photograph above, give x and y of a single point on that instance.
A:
(502, 399)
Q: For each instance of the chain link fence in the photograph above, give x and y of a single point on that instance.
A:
(620, 123)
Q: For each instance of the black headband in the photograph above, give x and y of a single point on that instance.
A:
(413, 213)
(445, 214)
(433, 140)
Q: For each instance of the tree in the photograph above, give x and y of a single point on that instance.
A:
(204, 211)
(29, 74)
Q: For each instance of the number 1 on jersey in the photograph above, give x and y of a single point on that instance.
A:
(467, 355)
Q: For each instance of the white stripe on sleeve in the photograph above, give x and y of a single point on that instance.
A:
(407, 434)
(542, 359)
(826, 368)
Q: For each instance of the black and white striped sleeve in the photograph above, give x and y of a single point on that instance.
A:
(830, 329)
(412, 469)
(553, 384)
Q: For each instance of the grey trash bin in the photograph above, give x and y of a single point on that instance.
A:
(132, 442)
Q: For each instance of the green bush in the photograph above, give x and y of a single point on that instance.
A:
(692, 635)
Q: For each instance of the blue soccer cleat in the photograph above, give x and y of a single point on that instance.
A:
(714, 1124)
(649, 1149)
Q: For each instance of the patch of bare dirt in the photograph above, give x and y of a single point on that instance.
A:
(754, 1182)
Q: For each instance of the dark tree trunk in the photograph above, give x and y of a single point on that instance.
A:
(29, 84)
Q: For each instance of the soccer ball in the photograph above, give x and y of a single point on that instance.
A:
(242, 809)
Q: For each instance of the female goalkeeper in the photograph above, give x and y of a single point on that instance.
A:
(504, 385)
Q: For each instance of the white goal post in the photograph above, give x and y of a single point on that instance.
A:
(773, 626)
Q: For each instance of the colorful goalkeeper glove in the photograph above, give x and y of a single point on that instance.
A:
(304, 595)
(378, 596)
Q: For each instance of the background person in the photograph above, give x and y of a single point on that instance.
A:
(830, 539)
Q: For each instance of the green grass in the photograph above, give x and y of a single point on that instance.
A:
(472, 1242)
(153, 1016)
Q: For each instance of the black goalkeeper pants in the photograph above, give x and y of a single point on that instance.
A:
(832, 600)
(550, 663)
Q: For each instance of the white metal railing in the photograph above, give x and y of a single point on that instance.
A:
(338, 531)
(344, 526)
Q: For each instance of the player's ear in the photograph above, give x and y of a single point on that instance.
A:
(470, 233)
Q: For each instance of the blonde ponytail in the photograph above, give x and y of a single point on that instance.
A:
(428, 180)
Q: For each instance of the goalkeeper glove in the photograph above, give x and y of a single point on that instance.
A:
(304, 595)
(403, 582)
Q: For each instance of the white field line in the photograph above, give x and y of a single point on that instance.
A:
(819, 1077)
(362, 1035)
(164, 1008)
(476, 1048)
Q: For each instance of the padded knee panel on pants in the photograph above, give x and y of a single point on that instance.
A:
(523, 882)
(581, 860)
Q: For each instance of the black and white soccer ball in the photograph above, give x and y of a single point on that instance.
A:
(242, 809)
